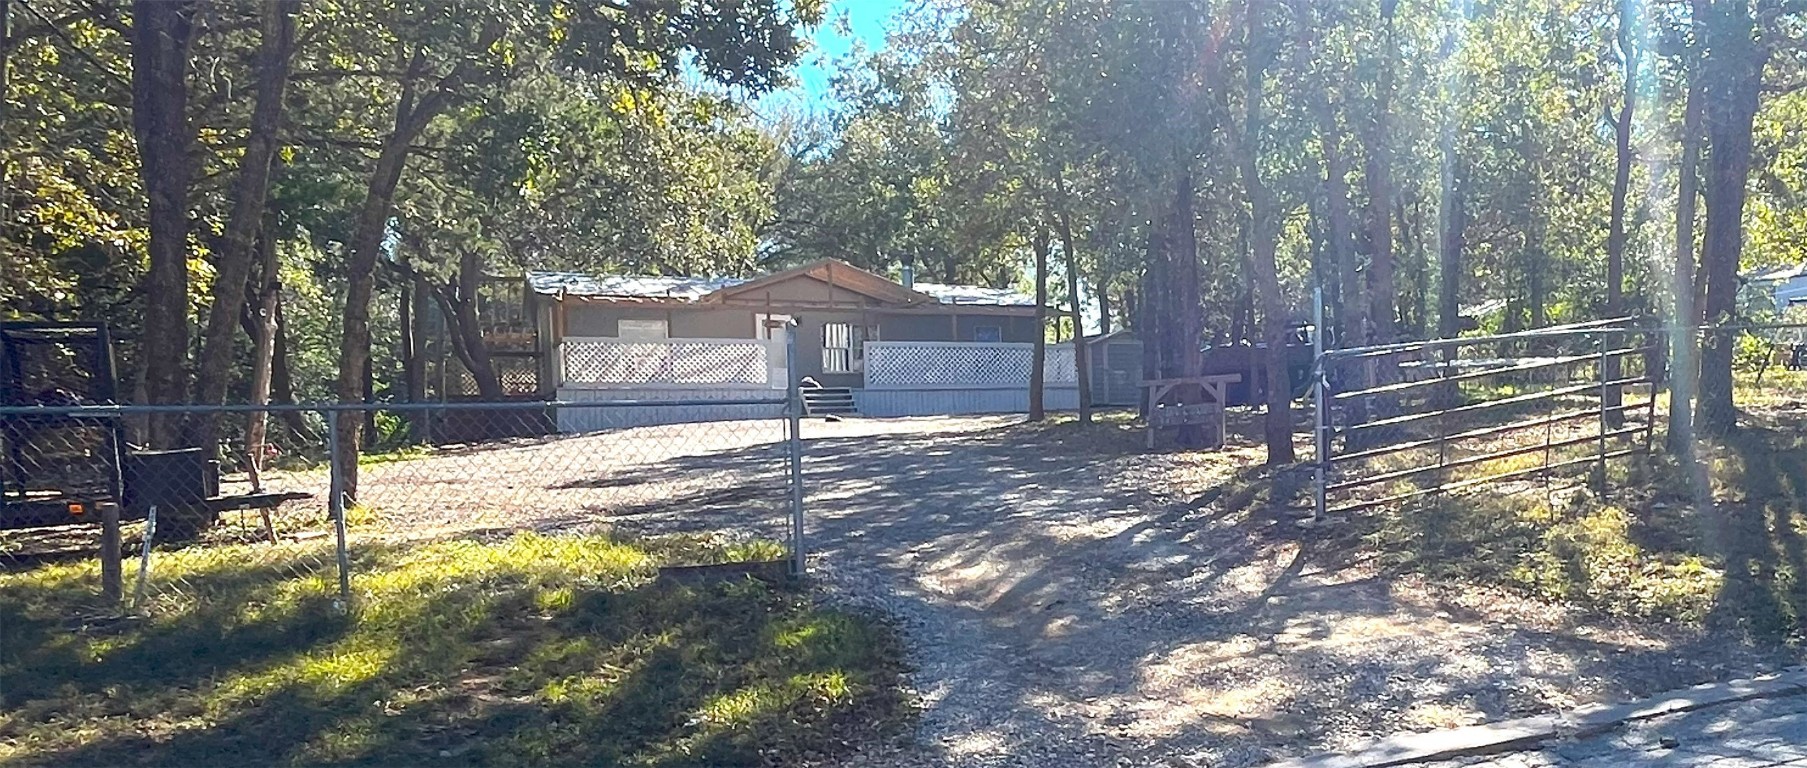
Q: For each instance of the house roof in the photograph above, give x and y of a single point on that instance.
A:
(1767, 274)
(837, 273)
(711, 289)
(627, 286)
(973, 294)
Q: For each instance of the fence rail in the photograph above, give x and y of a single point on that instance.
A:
(1409, 420)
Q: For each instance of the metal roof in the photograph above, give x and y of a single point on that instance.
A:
(627, 286)
(695, 288)
(975, 295)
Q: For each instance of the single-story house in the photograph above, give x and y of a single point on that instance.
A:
(891, 347)
(1786, 285)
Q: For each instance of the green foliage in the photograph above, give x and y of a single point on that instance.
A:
(532, 650)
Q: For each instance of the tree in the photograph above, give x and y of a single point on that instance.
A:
(1038, 356)
(162, 33)
(234, 260)
(1732, 76)
(1264, 238)
(1081, 365)
(1630, 16)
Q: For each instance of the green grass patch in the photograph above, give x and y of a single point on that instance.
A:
(531, 650)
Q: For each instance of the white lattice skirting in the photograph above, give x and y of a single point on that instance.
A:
(613, 363)
(963, 365)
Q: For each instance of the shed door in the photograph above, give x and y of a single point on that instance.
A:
(774, 329)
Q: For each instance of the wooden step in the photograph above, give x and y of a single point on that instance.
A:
(827, 400)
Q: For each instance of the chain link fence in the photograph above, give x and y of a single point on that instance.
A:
(1399, 422)
(1769, 369)
(266, 504)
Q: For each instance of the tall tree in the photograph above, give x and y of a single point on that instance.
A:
(1381, 281)
(233, 261)
(162, 34)
(1264, 235)
(1630, 19)
(1684, 336)
(1038, 356)
(1732, 74)
(1070, 254)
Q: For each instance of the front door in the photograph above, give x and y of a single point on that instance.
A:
(774, 329)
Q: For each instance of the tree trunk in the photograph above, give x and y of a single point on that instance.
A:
(1733, 71)
(162, 33)
(233, 264)
(1613, 397)
(1453, 218)
(414, 369)
(1383, 313)
(1081, 369)
(1263, 243)
(366, 245)
(1684, 337)
(1104, 307)
(263, 356)
(1039, 351)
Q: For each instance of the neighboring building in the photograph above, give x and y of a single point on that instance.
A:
(1786, 286)
(893, 348)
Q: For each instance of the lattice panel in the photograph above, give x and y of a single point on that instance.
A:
(677, 361)
(899, 364)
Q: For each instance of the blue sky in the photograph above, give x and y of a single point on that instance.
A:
(865, 23)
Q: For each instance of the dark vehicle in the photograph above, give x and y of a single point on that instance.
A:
(1250, 361)
(56, 467)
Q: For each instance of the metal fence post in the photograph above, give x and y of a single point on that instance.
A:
(1605, 345)
(793, 412)
(336, 506)
(1321, 421)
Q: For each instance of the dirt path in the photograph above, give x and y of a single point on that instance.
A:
(1070, 601)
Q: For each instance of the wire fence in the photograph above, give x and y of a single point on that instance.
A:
(1769, 367)
(169, 524)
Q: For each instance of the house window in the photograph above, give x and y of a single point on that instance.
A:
(844, 347)
(642, 330)
(990, 333)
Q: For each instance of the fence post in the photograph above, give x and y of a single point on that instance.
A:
(1321, 402)
(336, 506)
(112, 588)
(1605, 345)
(793, 412)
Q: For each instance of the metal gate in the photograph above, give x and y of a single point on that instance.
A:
(1403, 421)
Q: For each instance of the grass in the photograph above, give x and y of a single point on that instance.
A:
(1719, 545)
(529, 650)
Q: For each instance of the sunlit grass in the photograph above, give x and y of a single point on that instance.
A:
(531, 650)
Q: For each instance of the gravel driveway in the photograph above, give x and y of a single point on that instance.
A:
(1070, 600)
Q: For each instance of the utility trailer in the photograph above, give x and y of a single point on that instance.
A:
(61, 458)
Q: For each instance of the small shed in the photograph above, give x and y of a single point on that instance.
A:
(1114, 361)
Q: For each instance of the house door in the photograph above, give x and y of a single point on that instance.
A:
(774, 329)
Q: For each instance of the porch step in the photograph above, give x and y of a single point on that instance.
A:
(825, 400)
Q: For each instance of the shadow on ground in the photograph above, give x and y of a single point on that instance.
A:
(1066, 593)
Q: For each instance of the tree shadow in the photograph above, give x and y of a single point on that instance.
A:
(498, 667)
